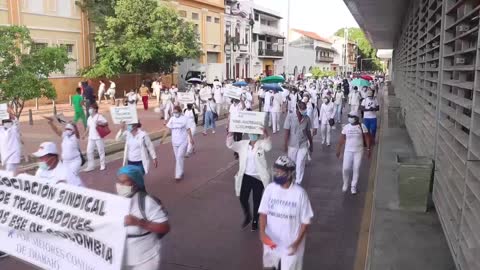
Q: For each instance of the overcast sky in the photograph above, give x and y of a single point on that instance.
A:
(324, 17)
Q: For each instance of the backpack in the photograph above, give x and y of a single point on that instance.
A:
(142, 196)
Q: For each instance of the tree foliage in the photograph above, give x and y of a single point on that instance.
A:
(24, 72)
(317, 73)
(97, 10)
(138, 41)
(365, 49)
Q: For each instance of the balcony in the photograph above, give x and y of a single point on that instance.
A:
(325, 59)
(270, 53)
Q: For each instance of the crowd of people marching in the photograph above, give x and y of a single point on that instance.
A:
(281, 207)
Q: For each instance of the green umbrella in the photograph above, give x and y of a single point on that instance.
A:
(360, 83)
(273, 79)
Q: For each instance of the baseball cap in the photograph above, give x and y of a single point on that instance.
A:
(46, 148)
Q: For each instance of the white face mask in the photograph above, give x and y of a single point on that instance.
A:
(91, 111)
(69, 132)
(351, 120)
(122, 190)
(325, 100)
(176, 114)
(305, 100)
(7, 125)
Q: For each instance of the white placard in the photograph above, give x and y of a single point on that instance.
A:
(61, 226)
(4, 112)
(186, 98)
(126, 114)
(247, 122)
(205, 94)
(234, 93)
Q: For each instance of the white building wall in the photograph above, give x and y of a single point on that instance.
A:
(300, 57)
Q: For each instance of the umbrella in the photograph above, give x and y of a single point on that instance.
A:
(273, 79)
(272, 86)
(367, 77)
(360, 83)
(240, 84)
(194, 80)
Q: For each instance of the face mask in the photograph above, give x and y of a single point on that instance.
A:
(122, 190)
(303, 113)
(351, 120)
(253, 137)
(280, 180)
(91, 111)
(69, 132)
(130, 128)
(325, 100)
(42, 165)
(176, 114)
(7, 125)
(305, 100)
(370, 96)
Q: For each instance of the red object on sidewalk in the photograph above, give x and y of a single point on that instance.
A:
(145, 102)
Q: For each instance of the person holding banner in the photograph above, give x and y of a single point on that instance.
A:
(236, 106)
(94, 140)
(298, 139)
(139, 148)
(10, 143)
(181, 133)
(52, 169)
(252, 175)
(146, 224)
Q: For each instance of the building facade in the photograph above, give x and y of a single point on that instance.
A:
(268, 42)
(345, 59)
(238, 39)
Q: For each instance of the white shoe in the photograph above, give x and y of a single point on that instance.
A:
(102, 168)
(323, 142)
(213, 131)
(345, 188)
(354, 190)
(88, 169)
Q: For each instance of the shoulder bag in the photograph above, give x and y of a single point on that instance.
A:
(103, 130)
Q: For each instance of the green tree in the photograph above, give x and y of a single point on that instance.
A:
(365, 49)
(135, 40)
(97, 10)
(24, 70)
(318, 73)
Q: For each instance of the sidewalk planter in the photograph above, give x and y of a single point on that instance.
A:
(415, 176)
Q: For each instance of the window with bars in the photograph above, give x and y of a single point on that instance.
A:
(38, 45)
(209, 18)
(217, 20)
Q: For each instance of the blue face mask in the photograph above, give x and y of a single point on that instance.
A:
(280, 180)
(42, 165)
(253, 137)
(130, 128)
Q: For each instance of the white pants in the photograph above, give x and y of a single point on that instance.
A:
(11, 167)
(271, 258)
(152, 264)
(179, 151)
(275, 116)
(74, 165)
(218, 108)
(100, 146)
(299, 155)
(325, 131)
(166, 112)
(352, 162)
(190, 146)
(354, 108)
(269, 118)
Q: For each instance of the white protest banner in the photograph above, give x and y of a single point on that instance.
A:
(4, 111)
(127, 114)
(186, 98)
(205, 94)
(61, 226)
(234, 93)
(247, 122)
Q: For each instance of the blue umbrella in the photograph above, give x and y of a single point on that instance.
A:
(272, 86)
(240, 84)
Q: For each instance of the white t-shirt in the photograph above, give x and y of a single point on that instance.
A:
(292, 103)
(217, 94)
(327, 111)
(92, 126)
(286, 211)
(339, 97)
(10, 144)
(267, 107)
(141, 249)
(134, 144)
(235, 108)
(354, 98)
(370, 103)
(179, 126)
(101, 88)
(248, 100)
(59, 173)
(354, 137)
(277, 102)
(70, 147)
(250, 168)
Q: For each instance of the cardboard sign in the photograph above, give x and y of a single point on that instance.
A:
(61, 226)
(234, 93)
(126, 114)
(186, 98)
(4, 112)
(205, 94)
(247, 122)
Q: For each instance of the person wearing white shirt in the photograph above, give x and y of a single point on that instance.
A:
(139, 149)
(285, 214)
(267, 107)
(338, 97)
(261, 99)
(94, 140)
(52, 169)
(210, 116)
(101, 91)
(354, 138)
(181, 133)
(247, 99)
(327, 114)
(111, 91)
(370, 108)
(146, 223)
(276, 110)
(192, 117)
(132, 98)
(354, 99)
(157, 88)
(10, 144)
(253, 174)
(218, 96)
(312, 113)
(167, 104)
(71, 154)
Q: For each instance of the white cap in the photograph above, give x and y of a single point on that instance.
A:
(46, 148)
(353, 113)
(69, 126)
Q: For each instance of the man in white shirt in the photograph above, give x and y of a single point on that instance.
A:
(370, 108)
(354, 99)
(276, 110)
(101, 91)
(111, 91)
(338, 97)
(247, 99)
(267, 107)
(285, 214)
(157, 88)
(218, 96)
(327, 113)
(10, 144)
(94, 139)
(51, 168)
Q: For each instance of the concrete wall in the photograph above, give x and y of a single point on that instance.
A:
(299, 57)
